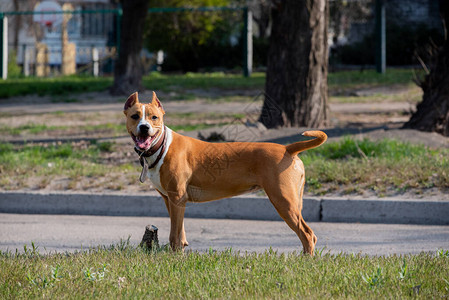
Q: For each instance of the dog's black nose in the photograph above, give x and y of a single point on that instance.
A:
(144, 128)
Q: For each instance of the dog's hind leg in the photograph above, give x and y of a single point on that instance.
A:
(288, 204)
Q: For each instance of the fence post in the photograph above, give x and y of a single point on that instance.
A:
(380, 37)
(247, 42)
(4, 46)
(25, 61)
(95, 63)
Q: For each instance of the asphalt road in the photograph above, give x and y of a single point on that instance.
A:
(70, 233)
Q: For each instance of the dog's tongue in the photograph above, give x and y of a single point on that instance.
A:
(143, 142)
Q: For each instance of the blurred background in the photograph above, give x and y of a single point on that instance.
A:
(204, 41)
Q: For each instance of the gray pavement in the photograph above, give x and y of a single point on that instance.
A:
(72, 232)
(74, 221)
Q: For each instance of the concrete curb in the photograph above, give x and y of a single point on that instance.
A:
(386, 211)
(245, 207)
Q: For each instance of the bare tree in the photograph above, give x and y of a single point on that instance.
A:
(296, 82)
(129, 69)
(432, 113)
(261, 15)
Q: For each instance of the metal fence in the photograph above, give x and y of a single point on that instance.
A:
(368, 33)
(38, 60)
(49, 43)
(89, 39)
(86, 40)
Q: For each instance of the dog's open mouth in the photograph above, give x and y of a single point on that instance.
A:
(143, 142)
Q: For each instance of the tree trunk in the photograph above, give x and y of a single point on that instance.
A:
(296, 81)
(128, 68)
(17, 25)
(432, 113)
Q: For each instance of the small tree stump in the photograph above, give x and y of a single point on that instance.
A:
(150, 239)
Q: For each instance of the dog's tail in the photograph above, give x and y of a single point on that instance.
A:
(295, 148)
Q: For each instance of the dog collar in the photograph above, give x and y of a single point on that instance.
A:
(144, 154)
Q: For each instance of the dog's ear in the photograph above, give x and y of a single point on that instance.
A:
(133, 99)
(155, 101)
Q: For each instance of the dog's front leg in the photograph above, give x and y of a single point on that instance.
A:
(173, 238)
(177, 235)
(176, 205)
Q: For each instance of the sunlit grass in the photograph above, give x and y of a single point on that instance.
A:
(107, 129)
(411, 94)
(344, 79)
(167, 83)
(71, 85)
(67, 85)
(126, 271)
(19, 164)
(348, 166)
(354, 166)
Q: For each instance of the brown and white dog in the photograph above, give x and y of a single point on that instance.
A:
(184, 169)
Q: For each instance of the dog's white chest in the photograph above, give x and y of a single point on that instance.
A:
(154, 173)
(156, 181)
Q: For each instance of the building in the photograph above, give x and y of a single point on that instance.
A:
(95, 29)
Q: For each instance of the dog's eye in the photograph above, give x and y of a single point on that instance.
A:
(154, 118)
(135, 117)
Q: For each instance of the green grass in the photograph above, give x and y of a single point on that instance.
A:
(354, 166)
(29, 128)
(21, 163)
(348, 167)
(70, 85)
(203, 115)
(112, 129)
(167, 83)
(350, 79)
(67, 85)
(124, 271)
(412, 94)
(191, 127)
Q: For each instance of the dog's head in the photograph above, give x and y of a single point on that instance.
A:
(144, 122)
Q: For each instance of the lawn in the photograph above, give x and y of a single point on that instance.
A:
(37, 166)
(346, 167)
(338, 82)
(52, 86)
(125, 271)
(382, 168)
(349, 166)
(370, 78)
